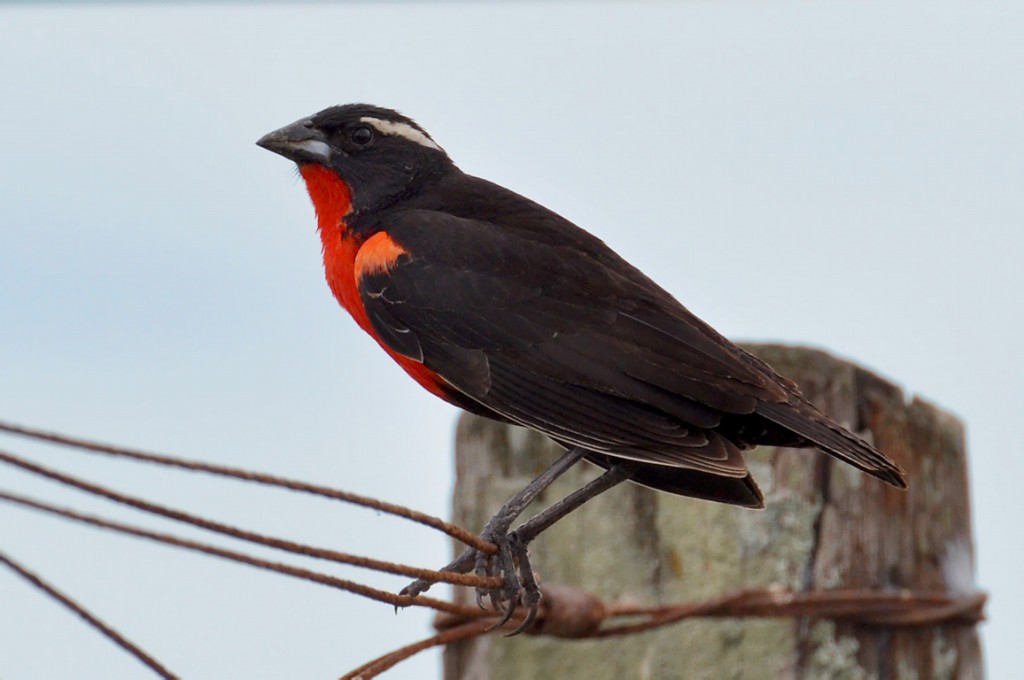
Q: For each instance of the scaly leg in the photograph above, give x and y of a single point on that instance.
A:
(512, 560)
(520, 539)
(497, 528)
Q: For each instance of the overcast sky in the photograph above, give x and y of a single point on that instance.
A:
(841, 174)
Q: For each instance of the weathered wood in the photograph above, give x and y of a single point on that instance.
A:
(826, 526)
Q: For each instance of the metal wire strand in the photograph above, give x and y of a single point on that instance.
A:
(572, 613)
(89, 617)
(235, 556)
(456, 532)
(448, 636)
(252, 537)
(566, 611)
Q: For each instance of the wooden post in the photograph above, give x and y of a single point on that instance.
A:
(826, 526)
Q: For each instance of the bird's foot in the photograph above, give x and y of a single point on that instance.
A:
(511, 563)
(511, 560)
(460, 565)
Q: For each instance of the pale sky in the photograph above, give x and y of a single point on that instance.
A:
(841, 174)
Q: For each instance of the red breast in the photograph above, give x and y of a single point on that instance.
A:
(347, 258)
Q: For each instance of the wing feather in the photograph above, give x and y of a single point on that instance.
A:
(568, 339)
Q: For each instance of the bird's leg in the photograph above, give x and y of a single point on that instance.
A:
(531, 528)
(497, 527)
(512, 560)
(519, 539)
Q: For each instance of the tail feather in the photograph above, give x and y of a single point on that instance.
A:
(686, 482)
(807, 421)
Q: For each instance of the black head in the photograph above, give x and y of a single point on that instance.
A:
(382, 155)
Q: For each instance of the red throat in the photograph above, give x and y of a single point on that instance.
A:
(331, 196)
(332, 200)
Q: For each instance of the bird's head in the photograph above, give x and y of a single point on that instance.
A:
(380, 155)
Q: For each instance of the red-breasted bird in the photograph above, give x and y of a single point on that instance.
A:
(502, 307)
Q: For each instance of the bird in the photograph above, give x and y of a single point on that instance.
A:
(506, 309)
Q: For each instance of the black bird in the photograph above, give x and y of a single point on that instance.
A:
(508, 310)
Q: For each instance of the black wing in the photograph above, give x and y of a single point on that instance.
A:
(563, 336)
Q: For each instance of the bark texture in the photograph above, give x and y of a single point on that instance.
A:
(826, 526)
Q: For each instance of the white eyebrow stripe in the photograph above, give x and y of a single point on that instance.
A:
(387, 127)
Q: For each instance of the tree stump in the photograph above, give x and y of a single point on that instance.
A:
(826, 526)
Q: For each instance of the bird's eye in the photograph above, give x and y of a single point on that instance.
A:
(362, 135)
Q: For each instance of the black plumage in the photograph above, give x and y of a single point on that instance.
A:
(510, 311)
(540, 323)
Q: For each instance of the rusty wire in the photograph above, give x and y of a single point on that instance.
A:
(456, 532)
(901, 608)
(235, 556)
(463, 631)
(566, 612)
(252, 537)
(575, 614)
(88, 616)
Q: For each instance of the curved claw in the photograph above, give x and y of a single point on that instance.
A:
(504, 618)
(506, 599)
(503, 564)
(415, 588)
(531, 614)
(485, 568)
(460, 565)
(507, 567)
(530, 590)
(482, 568)
(512, 563)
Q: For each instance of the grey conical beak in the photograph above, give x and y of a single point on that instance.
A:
(300, 142)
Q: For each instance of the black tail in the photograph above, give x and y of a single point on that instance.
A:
(806, 421)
